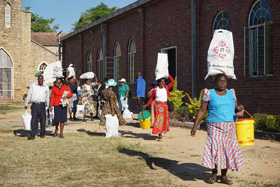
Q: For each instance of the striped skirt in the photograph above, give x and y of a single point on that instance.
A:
(222, 148)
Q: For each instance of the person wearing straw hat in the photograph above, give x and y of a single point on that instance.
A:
(123, 94)
(222, 149)
(110, 105)
(39, 95)
(88, 92)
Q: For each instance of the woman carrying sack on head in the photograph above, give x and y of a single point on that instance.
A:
(60, 110)
(222, 149)
(87, 98)
(110, 106)
(161, 94)
(123, 94)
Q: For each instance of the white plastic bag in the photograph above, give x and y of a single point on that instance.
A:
(80, 110)
(26, 120)
(162, 66)
(57, 69)
(126, 113)
(221, 54)
(112, 126)
(71, 72)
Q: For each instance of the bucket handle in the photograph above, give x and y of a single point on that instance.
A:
(248, 114)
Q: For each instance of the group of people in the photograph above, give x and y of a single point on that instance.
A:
(221, 150)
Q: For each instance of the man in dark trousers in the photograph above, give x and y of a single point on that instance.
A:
(40, 97)
(100, 88)
(140, 91)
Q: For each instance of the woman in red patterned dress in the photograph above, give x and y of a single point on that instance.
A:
(161, 94)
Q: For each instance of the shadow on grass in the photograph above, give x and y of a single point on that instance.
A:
(90, 133)
(25, 133)
(130, 134)
(185, 171)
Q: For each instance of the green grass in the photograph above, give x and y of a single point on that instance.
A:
(77, 160)
(256, 175)
(9, 108)
(195, 155)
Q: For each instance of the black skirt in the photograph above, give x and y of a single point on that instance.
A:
(60, 114)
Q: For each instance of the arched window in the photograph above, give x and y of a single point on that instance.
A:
(6, 72)
(8, 16)
(221, 21)
(100, 60)
(258, 40)
(89, 61)
(117, 60)
(42, 66)
(131, 60)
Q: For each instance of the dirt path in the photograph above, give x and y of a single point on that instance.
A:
(183, 154)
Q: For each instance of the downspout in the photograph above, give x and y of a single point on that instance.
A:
(194, 62)
(104, 47)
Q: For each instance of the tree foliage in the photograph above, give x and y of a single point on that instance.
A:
(93, 14)
(39, 24)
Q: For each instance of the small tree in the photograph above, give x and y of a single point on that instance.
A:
(194, 106)
(39, 24)
(176, 96)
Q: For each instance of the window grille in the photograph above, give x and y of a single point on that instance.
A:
(100, 64)
(131, 61)
(89, 61)
(6, 69)
(8, 15)
(222, 22)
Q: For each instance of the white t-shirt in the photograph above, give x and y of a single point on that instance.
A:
(161, 95)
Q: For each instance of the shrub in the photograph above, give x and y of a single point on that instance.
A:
(176, 96)
(182, 113)
(194, 106)
(267, 122)
(260, 121)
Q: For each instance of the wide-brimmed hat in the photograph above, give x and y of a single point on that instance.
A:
(153, 84)
(122, 80)
(111, 82)
(71, 65)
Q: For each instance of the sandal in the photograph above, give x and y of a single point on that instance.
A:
(55, 134)
(213, 178)
(160, 138)
(226, 181)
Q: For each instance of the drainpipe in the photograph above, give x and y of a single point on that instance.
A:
(103, 30)
(194, 64)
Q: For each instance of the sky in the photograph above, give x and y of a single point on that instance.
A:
(67, 12)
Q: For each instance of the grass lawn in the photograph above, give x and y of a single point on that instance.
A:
(81, 159)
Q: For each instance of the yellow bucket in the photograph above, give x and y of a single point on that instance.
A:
(145, 124)
(245, 132)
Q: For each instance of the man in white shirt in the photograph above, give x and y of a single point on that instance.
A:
(40, 96)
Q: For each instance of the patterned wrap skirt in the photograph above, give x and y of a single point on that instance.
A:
(222, 148)
(161, 118)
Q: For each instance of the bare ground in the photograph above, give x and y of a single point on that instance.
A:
(179, 156)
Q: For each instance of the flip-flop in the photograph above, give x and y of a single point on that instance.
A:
(226, 181)
(54, 134)
(213, 178)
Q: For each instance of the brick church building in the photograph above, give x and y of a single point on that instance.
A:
(128, 40)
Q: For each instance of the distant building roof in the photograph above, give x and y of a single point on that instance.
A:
(46, 38)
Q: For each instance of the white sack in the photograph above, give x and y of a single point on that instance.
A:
(162, 66)
(87, 75)
(80, 110)
(221, 54)
(71, 72)
(57, 69)
(112, 125)
(127, 114)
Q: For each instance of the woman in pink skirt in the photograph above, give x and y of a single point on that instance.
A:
(222, 149)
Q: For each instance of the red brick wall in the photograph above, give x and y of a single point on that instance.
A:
(257, 94)
(169, 21)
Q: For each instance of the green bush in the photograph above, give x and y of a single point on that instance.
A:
(176, 96)
(182, 113)
(267, 122)
(194, 106)
(260, 121)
